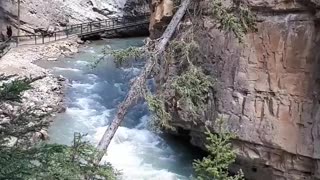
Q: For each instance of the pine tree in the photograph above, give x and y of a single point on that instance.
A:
(221, 156)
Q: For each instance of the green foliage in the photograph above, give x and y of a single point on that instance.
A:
(11, 91)
(53, 161)
(160, 117)
(20, 161)
(182, 50)
(193, 87)
(221, 156)
(185, 50)
(122, 57)
(237, 19)
(24, 122)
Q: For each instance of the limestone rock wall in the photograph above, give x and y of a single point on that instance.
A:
(134, 8)
(267, 90)
(45, 14)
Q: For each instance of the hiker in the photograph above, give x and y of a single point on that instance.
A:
(9, 31)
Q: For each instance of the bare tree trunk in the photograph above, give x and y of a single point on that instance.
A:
(135, 90)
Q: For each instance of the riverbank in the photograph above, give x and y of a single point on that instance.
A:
(47, 93)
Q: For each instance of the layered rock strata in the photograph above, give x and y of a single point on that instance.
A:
(267, 88)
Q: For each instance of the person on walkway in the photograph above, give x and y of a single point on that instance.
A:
(9, 31)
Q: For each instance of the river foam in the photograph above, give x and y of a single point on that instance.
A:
(92, 99)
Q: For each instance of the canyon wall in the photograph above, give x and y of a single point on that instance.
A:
(267, 88)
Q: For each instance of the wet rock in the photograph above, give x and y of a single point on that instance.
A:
(44, 134)
(4, 120)
(79, 41)
(62, 109)
(52, 59)
(11, 141)
(51, 29)
(61, 78)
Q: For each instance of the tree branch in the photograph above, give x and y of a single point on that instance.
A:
(135, 93)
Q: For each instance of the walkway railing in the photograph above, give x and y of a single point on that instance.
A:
(83, 29)
(5, 47)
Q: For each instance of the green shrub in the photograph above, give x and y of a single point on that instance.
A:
(237, 19)
(182, 51)
(160, 117)
(192, 88)
(221, 156)
(11, 91)
(122, 56)
(53, 161)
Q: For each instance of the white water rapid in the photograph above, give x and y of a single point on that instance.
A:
(91, 100)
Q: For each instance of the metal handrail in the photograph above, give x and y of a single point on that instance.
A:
(4, 45)
(6, 41)
(88, 28)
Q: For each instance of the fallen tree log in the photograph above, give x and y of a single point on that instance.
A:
(138, 84)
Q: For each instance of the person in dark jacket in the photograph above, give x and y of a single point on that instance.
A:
(9, 31)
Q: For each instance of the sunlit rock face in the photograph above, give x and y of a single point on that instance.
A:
(162, 11)
(267, 89)
(45, 14)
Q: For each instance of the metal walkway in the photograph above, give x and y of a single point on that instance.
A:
(82, 30)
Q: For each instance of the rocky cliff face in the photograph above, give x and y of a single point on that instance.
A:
(43, 13)
(267, 88)
(54, 14)
(134, 8)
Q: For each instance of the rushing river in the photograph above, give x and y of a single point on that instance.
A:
(92, 98)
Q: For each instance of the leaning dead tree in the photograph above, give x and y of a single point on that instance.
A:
(138, 84)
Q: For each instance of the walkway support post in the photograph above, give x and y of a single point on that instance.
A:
(18, 23)
(71, 29)
(67, 32)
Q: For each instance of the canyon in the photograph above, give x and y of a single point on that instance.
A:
(266, 90)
